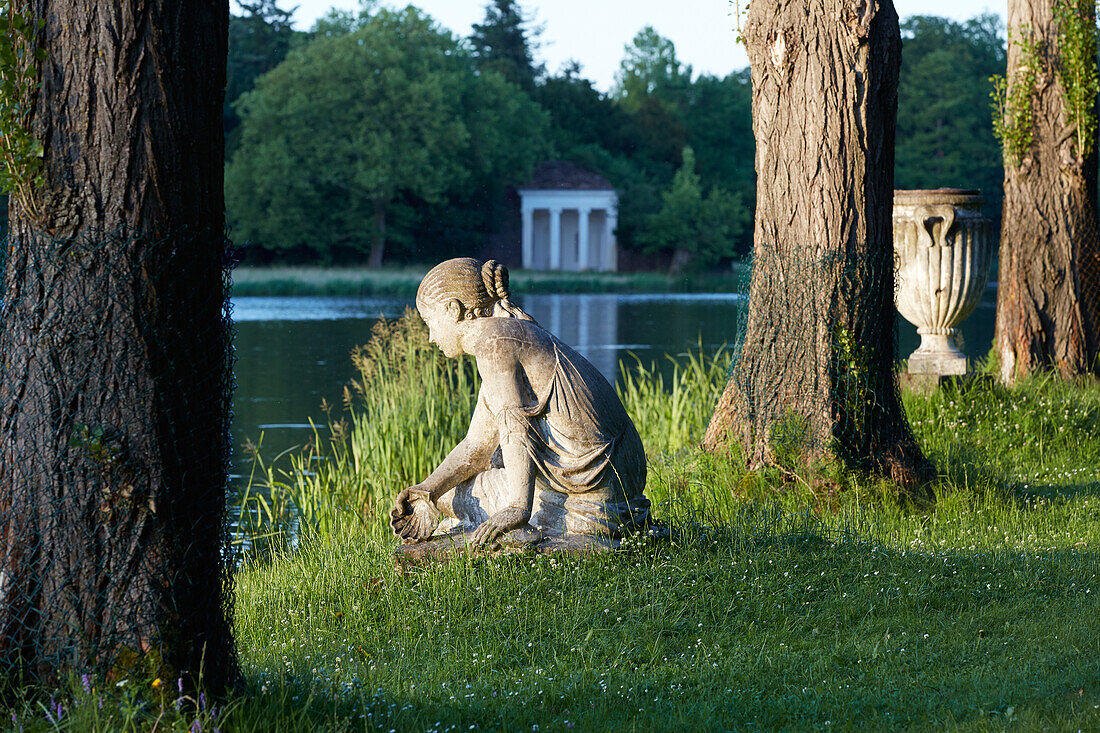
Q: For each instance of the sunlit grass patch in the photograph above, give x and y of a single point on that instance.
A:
(771, 619)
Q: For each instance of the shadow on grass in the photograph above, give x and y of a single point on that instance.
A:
(772, 619)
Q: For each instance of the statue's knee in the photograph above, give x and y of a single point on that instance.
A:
(445, 504)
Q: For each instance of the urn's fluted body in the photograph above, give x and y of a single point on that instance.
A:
(942, 250)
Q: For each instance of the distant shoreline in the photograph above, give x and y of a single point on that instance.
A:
(314, 280)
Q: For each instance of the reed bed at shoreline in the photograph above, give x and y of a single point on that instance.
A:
(402, 282)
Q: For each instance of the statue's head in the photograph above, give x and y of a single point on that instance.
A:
(480, 288)
(460, 290)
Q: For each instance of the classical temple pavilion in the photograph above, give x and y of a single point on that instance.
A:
(569, 219)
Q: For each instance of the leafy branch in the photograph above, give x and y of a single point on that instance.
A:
(1013, 101)
(1077, 69)
(20, 152)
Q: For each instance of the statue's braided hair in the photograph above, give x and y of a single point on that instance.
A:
(495, 278)
(481, 288)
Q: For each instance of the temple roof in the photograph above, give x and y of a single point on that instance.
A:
(561, 175)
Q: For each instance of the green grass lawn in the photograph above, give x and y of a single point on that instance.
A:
(814, 601)
(805, 600)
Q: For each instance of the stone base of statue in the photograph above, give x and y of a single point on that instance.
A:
(443, 547)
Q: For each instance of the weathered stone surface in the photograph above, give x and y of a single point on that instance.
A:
(550, 455)
(943, 248)
(446, 547)
(939, 363)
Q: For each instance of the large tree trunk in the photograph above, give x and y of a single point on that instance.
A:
(378, 236)
(115, 353)
(815, 373)
(1048, 310)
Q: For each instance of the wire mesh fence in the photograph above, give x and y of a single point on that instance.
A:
(114, 446)
(813, 363)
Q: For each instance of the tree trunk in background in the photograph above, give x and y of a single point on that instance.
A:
(378, 236)
(1048, 297)
(115, 354)
(815, 373)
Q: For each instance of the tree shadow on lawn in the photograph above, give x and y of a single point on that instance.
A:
(767, 623)
(967, 468)
(1070, 491)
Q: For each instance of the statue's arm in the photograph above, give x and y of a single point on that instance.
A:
(467, 459)
(411, 519)
(512, 428)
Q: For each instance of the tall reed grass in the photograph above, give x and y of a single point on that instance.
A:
(406, 408)
(409, 405)
(671, 415)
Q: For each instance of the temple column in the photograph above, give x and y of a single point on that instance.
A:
(611, 250)
(555, 238)
(583, 262)
(528, 238)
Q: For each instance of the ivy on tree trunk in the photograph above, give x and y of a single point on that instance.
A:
(815, 374)
(1048, 296)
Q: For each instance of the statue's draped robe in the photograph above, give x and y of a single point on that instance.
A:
(588, 459)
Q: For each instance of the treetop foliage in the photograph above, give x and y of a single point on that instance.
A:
(651, 70)
(945, 131)
(388, 114)
(502, 43)
(258, 41)
(699, 230)
(440, 126)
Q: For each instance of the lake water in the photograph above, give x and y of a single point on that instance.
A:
(293, 352)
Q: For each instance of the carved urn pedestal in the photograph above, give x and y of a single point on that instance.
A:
(942, 251)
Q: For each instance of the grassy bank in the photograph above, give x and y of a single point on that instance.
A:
(811, 600)
(345, 281)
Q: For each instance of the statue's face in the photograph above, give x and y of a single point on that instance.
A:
(443, 329)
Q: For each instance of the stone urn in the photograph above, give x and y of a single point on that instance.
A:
(942, 251)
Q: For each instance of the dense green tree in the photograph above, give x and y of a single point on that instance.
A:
(340, 22)
(718, 121)
(258, 41)
(945, 132)
(581, 115)
(352, 126)
(589, 129)
(651, 68)
(501, 44)
(699, 231)
(638, 146)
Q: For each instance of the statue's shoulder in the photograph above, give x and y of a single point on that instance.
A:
(505, 339)
(514, 330)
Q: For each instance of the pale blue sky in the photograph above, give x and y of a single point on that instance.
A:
(595, 31)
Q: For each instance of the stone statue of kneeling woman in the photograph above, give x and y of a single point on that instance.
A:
(550, 448)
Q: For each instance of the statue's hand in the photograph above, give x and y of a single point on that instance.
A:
(493, 528)
(414, 516)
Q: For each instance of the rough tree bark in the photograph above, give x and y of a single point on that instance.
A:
(1048, 297)
(115, 353)
(815, 374)
(378, 236)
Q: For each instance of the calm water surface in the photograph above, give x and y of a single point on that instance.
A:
(293, 352)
